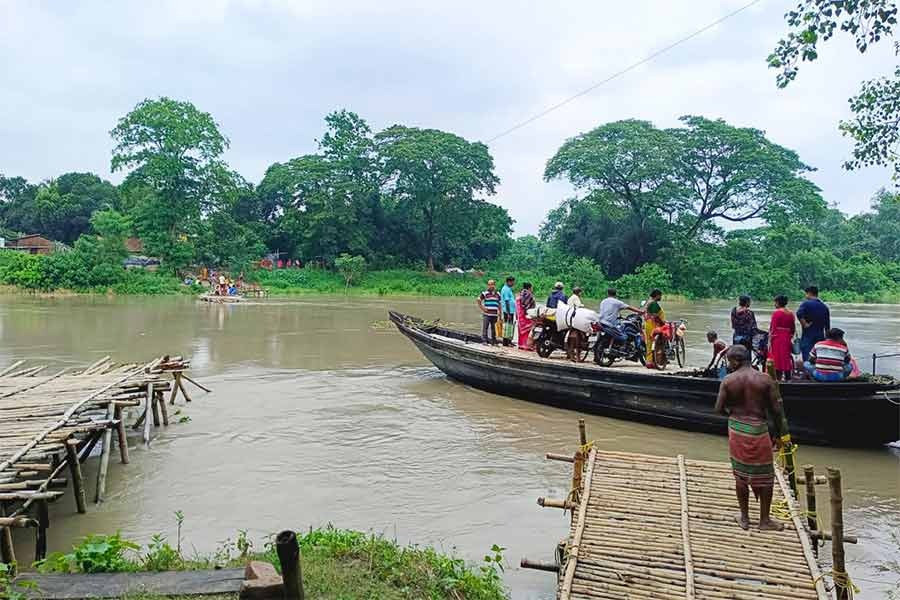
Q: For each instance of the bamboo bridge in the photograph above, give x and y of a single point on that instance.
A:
(663, 527)
(51, 423)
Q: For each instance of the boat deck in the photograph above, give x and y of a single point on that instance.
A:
(663, 527)
(559, 357)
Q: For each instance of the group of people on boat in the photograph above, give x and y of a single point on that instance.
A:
(822, 350)
(823, 354)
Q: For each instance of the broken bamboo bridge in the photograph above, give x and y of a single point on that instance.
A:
(647, 526)
(51, 423)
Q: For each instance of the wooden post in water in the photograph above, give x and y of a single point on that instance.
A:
(289, 556)
(785, 433)
(839, 568)
(161, 403)
(75, 471)
(104, 457)
(809, 475)
(147, 414)
(119, 415)
(43, 519)
(582, 432)
(7, 553)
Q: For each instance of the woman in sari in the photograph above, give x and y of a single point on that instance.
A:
(781, 335)
(524, 302)
(743, 322)
(654, 316)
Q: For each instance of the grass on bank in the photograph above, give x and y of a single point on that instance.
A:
(337, 564)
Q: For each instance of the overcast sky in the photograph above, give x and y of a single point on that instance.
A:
(269, 71)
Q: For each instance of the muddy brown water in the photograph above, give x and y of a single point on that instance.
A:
(319, 417)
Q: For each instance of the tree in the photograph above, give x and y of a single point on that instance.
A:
(15, 192)
(626, 163)
(874, 128)
(433, 177)
(173, 150)
(351, 267)
(732, 173)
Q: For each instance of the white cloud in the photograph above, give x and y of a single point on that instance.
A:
(269, 70)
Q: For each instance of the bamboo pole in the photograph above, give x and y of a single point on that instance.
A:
(202, 387)
(560, 457)
(104, 460)
(582, 432)
(122, 438)
(809, 477)
(11, 368)
(839, 568)
(805, 542)
(75, 470)
(181, 387)
(686, 531)
(572, 560)
(175, 379)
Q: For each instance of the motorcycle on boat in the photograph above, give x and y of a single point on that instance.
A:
(628, 345)
(548, 338)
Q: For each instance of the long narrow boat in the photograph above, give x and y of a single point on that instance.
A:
(863, 412)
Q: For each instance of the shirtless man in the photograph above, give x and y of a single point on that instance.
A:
(745, 396)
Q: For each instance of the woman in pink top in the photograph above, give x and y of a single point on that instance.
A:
(781, 334)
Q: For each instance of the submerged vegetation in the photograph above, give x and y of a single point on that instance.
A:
(336, 564)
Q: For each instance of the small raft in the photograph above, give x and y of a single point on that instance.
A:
(863, 412)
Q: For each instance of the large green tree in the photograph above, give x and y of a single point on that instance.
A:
(435, 179)
(626, 164)
(734, 174)
(173, 153)
(874, 126)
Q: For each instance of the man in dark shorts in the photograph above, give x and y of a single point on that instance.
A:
(746, 395)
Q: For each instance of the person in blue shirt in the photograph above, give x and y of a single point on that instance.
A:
(508, 310)
(557, 296)
(815, 319)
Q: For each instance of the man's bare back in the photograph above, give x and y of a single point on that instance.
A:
(747, 393)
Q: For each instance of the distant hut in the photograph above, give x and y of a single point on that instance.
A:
(36, 244)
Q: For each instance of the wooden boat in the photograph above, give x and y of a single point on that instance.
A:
(863, 412)
(220, 299)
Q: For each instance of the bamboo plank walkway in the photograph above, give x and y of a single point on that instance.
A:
(661, 527)
(50, 423)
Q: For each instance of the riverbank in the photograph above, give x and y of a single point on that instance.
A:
(336, 563)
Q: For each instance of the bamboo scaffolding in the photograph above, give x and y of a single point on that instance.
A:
(50, 424)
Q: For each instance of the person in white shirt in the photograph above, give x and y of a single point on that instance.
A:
(610, 308)
(575, 298)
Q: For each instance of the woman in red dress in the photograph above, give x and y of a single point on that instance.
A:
(781, 336)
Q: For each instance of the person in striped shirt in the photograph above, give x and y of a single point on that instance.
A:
(489, 303)
(829, 359)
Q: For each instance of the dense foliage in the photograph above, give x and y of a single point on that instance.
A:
(383, 212)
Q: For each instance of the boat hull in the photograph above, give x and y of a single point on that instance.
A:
(842, 414)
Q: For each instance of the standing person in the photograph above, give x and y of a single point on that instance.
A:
(524, 303)
(489, 304)
(743, 322)
(575, 299)
(781, 336)
(508, 310)
(654, 316)
(557, 295)
(746, 395)
(815, 319)
(830, 359)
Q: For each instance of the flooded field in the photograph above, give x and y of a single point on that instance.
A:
(322, 413)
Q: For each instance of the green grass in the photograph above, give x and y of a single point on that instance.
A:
(337, 564)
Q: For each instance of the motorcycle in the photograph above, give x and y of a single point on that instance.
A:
(548, 338)
(611, 348)
(668, 344)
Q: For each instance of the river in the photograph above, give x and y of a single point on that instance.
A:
(321, 414)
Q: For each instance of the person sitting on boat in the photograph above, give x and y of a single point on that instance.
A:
(609, 311)
(743, 322)
(719, 348)
(747, 396)
(830, 359)
(489, 304)
(654, 316)
(557, 295)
